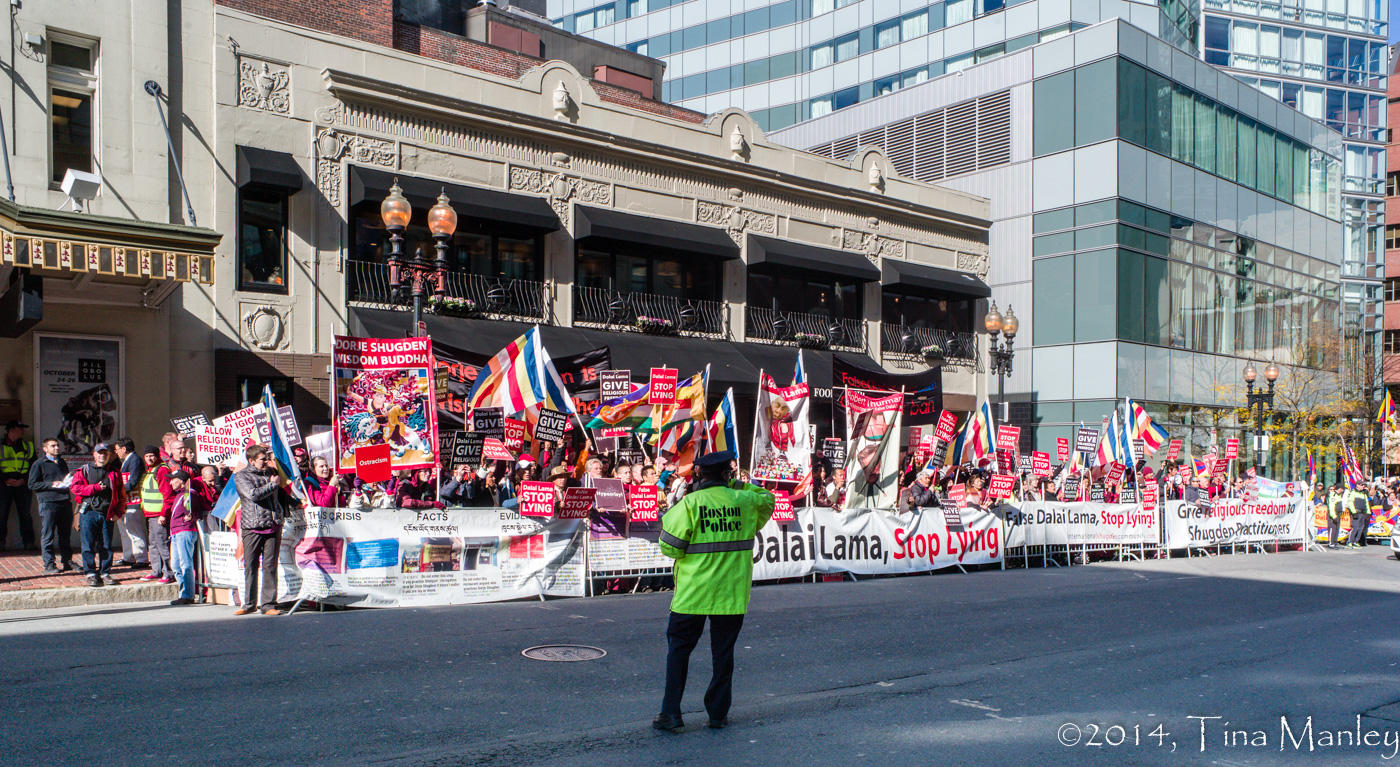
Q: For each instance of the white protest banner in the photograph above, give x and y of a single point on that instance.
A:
(250, 425)
(782, 446)
(1232, 521)
(872, 458)
(1047, 523)
(404, 558)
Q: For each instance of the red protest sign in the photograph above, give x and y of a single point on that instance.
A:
(1062, 449)
(514, 434)
(1000, 486)
(946, 423)
(644, 503)
(493, 450)
(1219, 468)
(1006, 460)
(537, 499)
(1185, 471)
(663, 387)
(958, 494)
(372, 463)
(782, 507)
(1008, 437)
(1115, 472)
(1173, 450)
(1040, 463)
(577, 502)
(1149, 496)
(1232, 448)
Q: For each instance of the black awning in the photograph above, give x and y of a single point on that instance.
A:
(909, 274)
(655, 232)
(804, 256)
(266, 168)
(469, 201)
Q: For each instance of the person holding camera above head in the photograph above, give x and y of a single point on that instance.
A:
(710, 533)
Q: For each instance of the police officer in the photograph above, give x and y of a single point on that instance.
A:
(1335, 504)
(710, 533)
(16, 454)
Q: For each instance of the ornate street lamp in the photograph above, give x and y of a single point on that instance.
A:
(418, 275)
(1001, 354)
(1258, 402)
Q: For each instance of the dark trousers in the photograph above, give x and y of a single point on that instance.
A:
(260, 551)
(19, 497)
(1334, 528)
(682, 634)
(97, 556)
(1359, 523)
(55, 522)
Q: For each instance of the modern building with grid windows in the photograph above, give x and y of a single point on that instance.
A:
(1327, 59)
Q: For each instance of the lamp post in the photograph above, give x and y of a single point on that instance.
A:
(1259, 401)
(417, 274)
(1000, 354)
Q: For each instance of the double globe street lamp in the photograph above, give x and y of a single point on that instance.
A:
(1001, 354)
(417, 275)
(1258, 402)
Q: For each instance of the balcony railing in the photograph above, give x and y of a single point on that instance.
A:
(818, 331)
(368, 282)
(959, 348)
(648, 312)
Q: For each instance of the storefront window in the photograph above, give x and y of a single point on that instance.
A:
(797, 290)
(665, 274)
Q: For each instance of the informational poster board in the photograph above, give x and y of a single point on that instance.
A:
(79, 391)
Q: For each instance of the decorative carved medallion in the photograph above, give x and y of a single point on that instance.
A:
(735, 220)
(264, 328)
(261, 85)
(974, 262)
(331, 145)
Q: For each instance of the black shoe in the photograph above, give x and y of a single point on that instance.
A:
(64, 567)
(719, 724)
(668, 723)
(51, 569)
(181, 601)
(94, 581)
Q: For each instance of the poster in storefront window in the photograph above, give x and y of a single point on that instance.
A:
(384, 396)
(78, 391)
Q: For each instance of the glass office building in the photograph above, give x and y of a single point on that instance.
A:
(1327, 59)
(1157, 225)
(785, 61)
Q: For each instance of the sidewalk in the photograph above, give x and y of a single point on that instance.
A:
(23, 585)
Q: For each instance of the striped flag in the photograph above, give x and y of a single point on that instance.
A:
(1312, 467)
(521, 378)
(1352, 471)
(976, 440)
(1110, 442)
(1141, 426)
(723, 430)
(1386, 415)
(799, 373)
(281, 452)
(678, 434)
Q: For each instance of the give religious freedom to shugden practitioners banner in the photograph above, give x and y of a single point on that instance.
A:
(1049, 523)
(782, 448)
(578, 371)
(872, 450)
(384, 396)
(78, 383)
(407, 558)
(923, 391)
(1233, 520)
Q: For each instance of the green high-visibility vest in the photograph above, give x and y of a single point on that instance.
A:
(151, 499)
(710, 534)
(15, 459)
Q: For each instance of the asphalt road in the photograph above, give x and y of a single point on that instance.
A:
(986, 668)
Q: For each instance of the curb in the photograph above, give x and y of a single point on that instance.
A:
(78, 596)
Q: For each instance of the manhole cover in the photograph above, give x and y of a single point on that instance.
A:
(563, 652)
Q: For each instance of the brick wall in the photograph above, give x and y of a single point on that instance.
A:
(368, 20)
(373, 21)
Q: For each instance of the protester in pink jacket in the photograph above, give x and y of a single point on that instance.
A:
(325, 488)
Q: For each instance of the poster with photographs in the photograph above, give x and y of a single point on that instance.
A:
(872, 455)
(782, 443)
(79, 397)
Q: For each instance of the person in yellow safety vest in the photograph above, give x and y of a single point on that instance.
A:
(710, 533)
(16, 454)
(157, 527)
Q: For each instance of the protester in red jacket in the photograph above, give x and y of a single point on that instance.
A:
(98, 489)
(417, 492)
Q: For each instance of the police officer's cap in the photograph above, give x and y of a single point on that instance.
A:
(721, 458)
